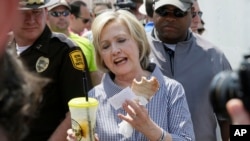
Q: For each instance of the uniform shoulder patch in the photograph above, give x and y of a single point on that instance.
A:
(76, 57)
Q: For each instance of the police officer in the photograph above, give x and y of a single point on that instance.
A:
(18, 88)
(54, 56)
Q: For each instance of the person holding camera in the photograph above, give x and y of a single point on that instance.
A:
(229, 93)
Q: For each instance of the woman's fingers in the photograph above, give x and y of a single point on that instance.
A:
(71, 135)
(237, 112)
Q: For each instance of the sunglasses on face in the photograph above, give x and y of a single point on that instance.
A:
(58, 14)
(163, 12)
(84, 20)
(199, 13)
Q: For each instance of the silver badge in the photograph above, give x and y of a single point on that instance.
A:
(42, 64)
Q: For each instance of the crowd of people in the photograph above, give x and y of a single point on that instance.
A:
(48, 48)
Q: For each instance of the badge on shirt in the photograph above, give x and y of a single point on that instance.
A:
(42, 64)
(77, 59)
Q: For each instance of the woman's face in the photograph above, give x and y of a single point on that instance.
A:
(118, 49)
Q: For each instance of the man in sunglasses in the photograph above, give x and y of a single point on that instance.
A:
(190, 59)
(197, 14)
(81, 17)
(58, 21)
(53, 56)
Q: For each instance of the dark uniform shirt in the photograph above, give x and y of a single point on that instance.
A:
(56, 57)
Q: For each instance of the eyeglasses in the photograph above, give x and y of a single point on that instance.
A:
(58, 14)
(163, 12)
(199, 13)
(84, 20)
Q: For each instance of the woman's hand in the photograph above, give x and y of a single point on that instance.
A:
(71, 136)
(139, 119)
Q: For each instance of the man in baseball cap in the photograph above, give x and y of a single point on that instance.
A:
(59, 18)
(181, 4)
(182, 55)
(59, 3)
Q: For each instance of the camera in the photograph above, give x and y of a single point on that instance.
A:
(231, 84)
(125, 4)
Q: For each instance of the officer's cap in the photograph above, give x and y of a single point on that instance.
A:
(35, 4)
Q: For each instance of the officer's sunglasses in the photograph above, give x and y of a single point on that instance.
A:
(163, 12)
(58, 14)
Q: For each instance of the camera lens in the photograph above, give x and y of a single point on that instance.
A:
(224, 86)
(231, 84)
(244, 76)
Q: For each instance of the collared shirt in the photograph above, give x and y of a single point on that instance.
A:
(168, 108)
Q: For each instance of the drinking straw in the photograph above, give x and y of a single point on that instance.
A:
(85, 88)
(85, 85)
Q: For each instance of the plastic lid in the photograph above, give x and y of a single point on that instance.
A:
(80, 102)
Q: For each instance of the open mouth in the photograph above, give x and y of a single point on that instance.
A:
(120, 61)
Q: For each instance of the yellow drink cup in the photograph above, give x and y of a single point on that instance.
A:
(83, 117)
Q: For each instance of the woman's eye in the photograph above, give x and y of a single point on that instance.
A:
(121, 40)
(105, 46)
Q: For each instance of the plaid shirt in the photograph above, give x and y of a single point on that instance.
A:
(168, 108)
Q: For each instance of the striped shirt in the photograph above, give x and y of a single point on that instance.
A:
(168, 108)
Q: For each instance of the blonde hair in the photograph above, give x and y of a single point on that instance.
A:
(135, 28)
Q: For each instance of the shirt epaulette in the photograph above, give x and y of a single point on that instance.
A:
(63, 38)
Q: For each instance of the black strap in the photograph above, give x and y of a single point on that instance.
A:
(170, 53)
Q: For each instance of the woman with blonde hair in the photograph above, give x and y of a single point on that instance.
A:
(122, 52)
